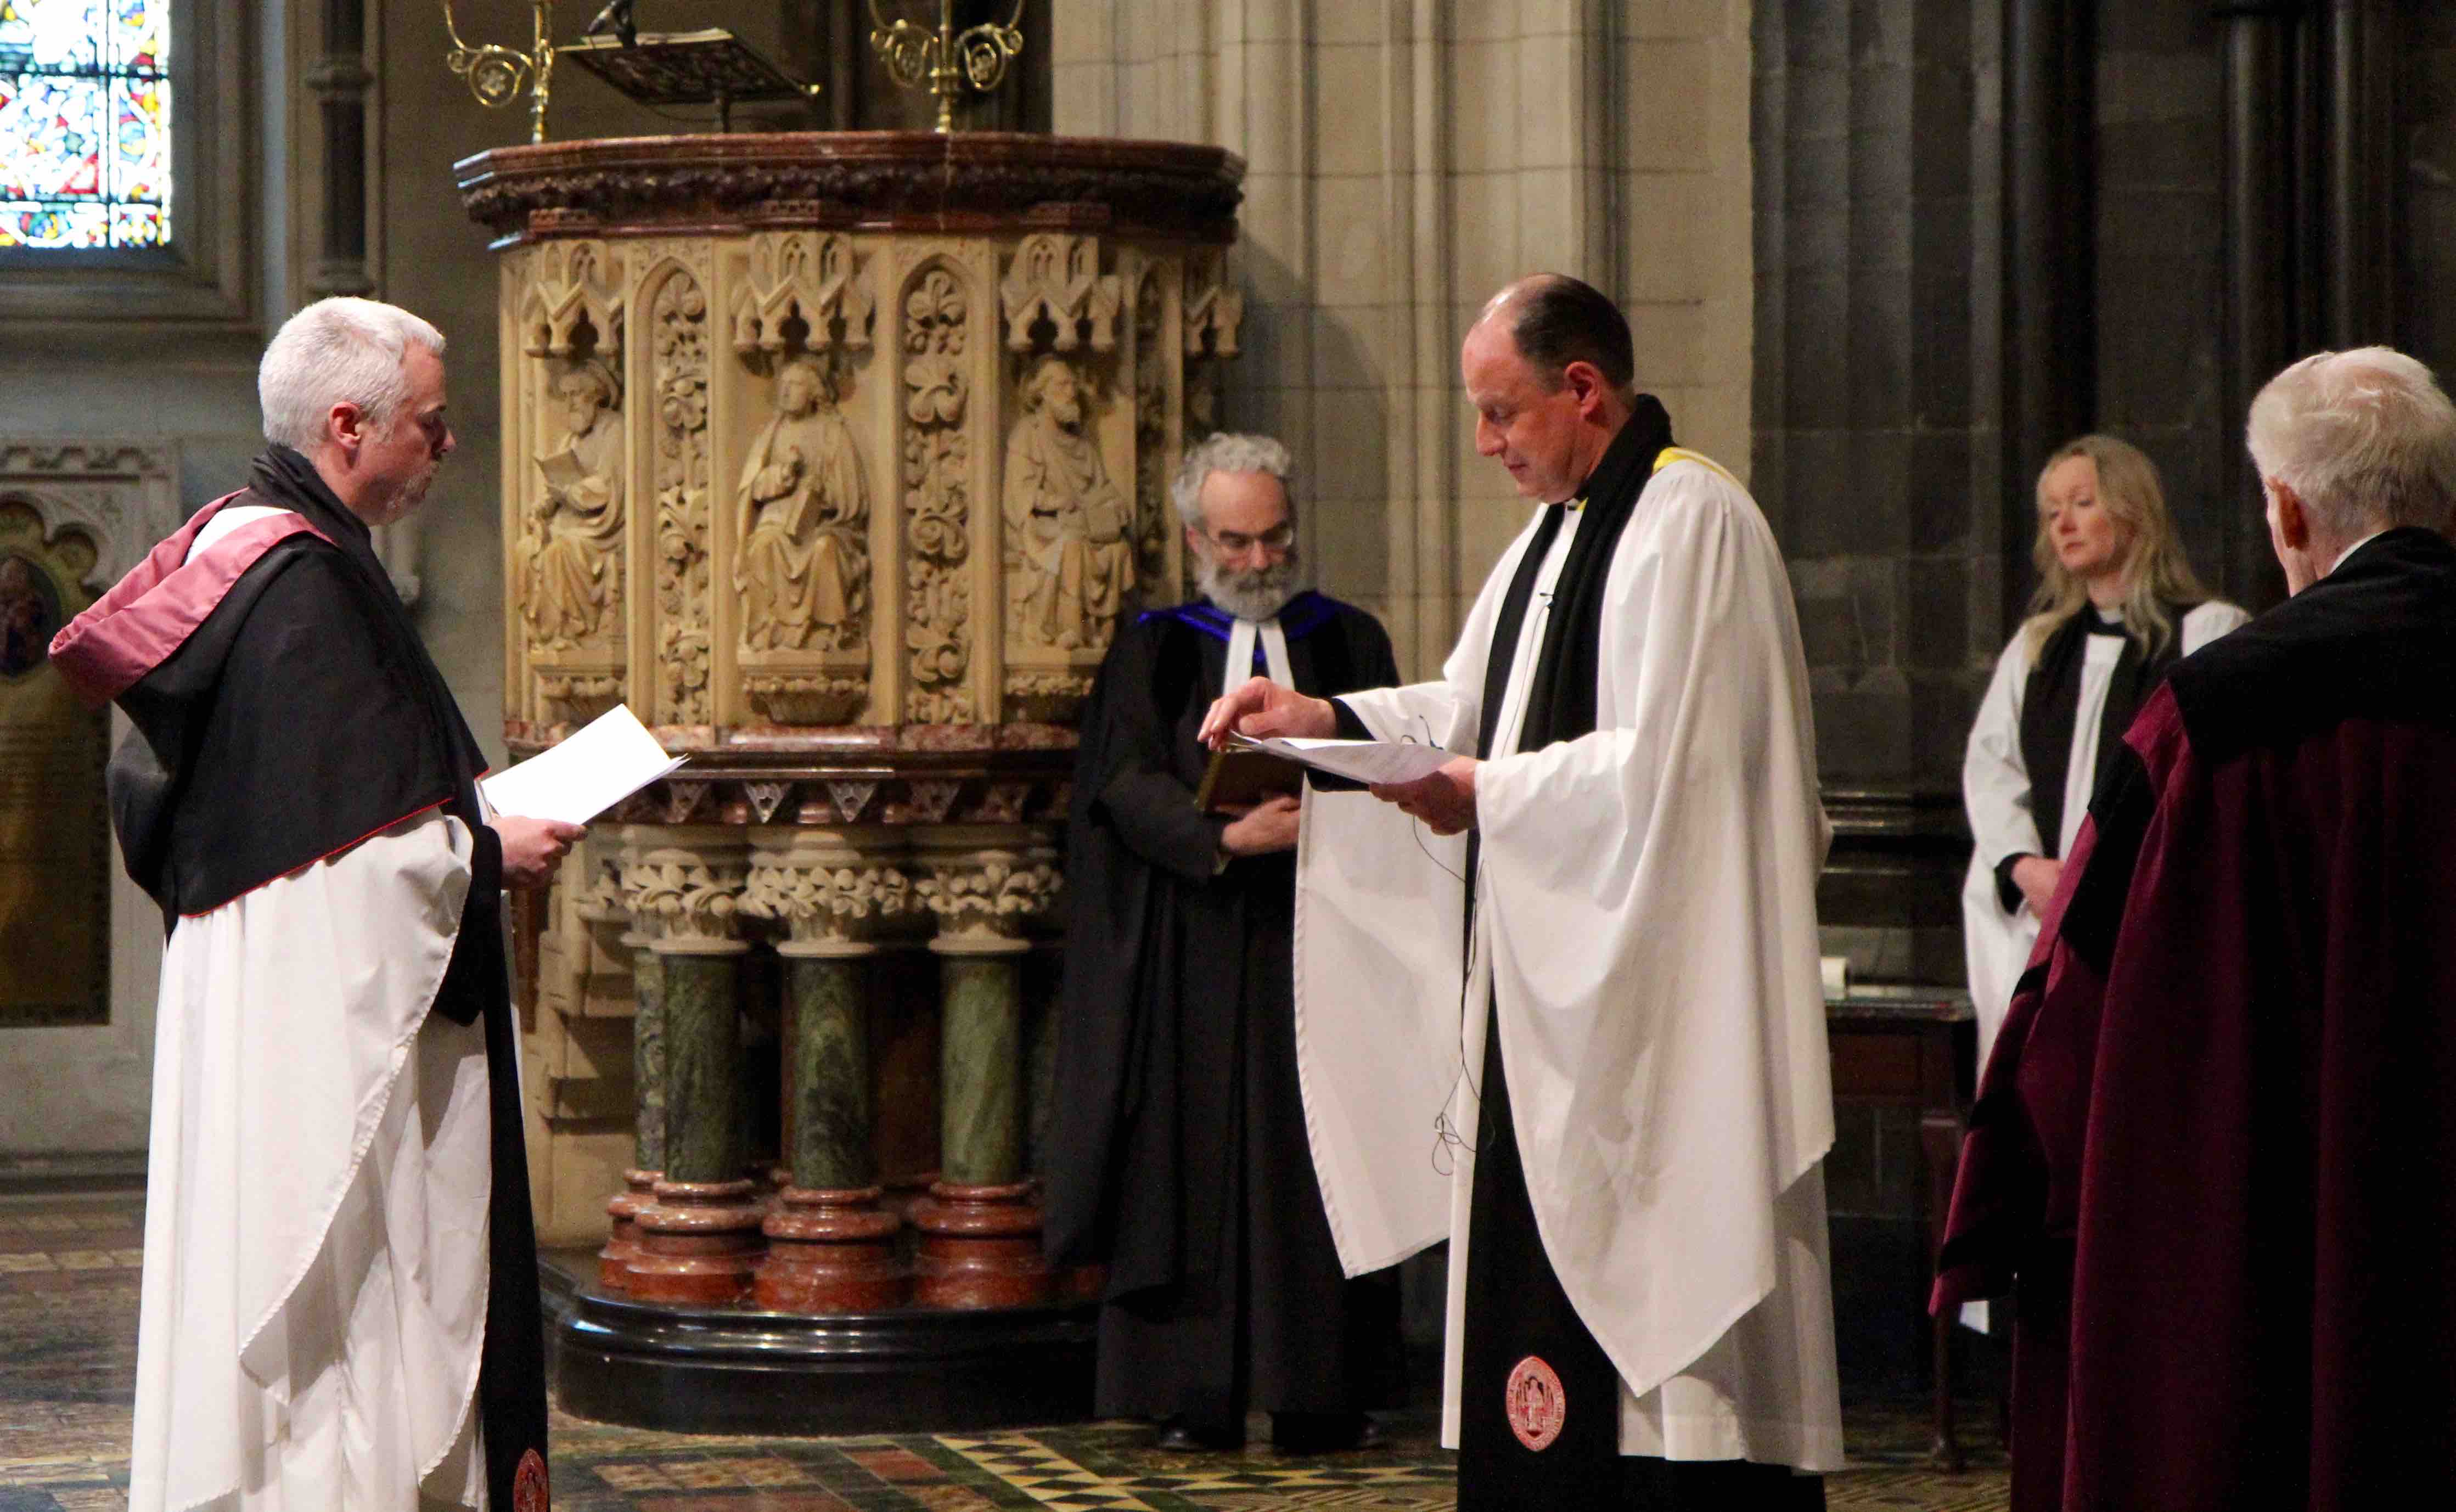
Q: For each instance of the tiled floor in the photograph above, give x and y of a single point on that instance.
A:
(68, 1356)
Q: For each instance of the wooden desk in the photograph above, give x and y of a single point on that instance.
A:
(1913, 1046)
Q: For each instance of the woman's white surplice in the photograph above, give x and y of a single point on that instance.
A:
(1996, 787)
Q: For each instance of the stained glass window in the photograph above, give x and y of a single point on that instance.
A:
(85, 123)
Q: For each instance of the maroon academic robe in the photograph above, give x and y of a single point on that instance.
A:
(2215, 1144)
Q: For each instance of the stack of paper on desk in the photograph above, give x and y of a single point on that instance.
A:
(1362, 761)
(589, 772)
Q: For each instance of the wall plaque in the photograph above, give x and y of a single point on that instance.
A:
(54, 830)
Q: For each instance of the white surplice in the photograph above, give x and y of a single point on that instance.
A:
(1996, 789)
(1646, 920)
(316, 1271)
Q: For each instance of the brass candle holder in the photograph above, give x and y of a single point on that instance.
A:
(946, 61)
(497, 74)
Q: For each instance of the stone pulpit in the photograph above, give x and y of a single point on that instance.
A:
(838, 458)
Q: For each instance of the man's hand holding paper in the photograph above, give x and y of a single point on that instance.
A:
(1260, 709)
(534, 847)
(1445, 800)
(1263, 709)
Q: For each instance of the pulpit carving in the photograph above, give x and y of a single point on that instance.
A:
(936, 467)
(678, 325)
(989, 896)
(824, 895)
(1070, 556)
(1214, 311)
(570, 558)
(1152, 459)
(685, 898)
(575, 301)
(1057, 279)
(803, 568)
(801, 284)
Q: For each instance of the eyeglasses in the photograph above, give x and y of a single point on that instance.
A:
(1237, 545)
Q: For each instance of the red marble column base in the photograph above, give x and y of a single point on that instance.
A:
(830, 1252)
(699, 1242)
(622, 1229)
(980, 1247)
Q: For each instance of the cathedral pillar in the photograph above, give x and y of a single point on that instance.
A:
(699, 1240)
(980, 1224)
(831, 1247)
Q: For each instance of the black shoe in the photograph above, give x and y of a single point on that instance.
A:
(1324, 1432)
(1179, 1437)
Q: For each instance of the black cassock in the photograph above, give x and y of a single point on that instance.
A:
(1177, 1148)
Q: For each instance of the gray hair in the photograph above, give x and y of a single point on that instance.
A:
(1229, 452)
(2366, 438)
(337, 351)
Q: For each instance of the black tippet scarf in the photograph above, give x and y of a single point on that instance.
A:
(215, 793)
(2050, 702)
(1561, 701)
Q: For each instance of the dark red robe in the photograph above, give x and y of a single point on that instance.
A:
(2216, 1145)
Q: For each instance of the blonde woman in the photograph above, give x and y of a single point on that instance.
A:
(2116, 605)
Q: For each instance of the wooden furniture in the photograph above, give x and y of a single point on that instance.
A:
(1913, 1048)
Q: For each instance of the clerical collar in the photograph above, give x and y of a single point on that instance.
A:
(1306, 612)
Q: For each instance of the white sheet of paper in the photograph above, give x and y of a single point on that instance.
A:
(588, 772)
(1364, 761)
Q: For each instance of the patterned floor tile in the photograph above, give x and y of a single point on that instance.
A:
(68, 1270)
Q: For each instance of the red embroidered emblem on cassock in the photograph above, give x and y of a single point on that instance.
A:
(528, 1485)
(1537, 1404)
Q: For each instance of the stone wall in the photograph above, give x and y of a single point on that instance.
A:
(1406, 161)
(2426, 254)
(166, 375)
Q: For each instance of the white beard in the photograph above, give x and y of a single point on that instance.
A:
(1256, 594)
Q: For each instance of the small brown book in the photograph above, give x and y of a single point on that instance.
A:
(1238, 776)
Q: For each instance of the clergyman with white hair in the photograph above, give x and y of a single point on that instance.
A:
(340, 1302)
(1178, 1156)
(2214, 1138)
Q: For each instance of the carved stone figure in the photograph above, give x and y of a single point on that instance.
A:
(1070, 552)
(803, 571)
(567, 578)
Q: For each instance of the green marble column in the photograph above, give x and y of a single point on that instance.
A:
(980, 1070)
(702, 1047)
(830, 1073)
(649, 1059)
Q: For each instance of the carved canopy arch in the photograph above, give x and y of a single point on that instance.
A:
(574, 284)
(813, 276)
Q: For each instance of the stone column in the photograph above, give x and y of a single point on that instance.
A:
(647, 1073)
(700, 1239)
(830, 1248)
(980, 1226)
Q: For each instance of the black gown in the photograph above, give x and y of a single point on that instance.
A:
(1179, 1150)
